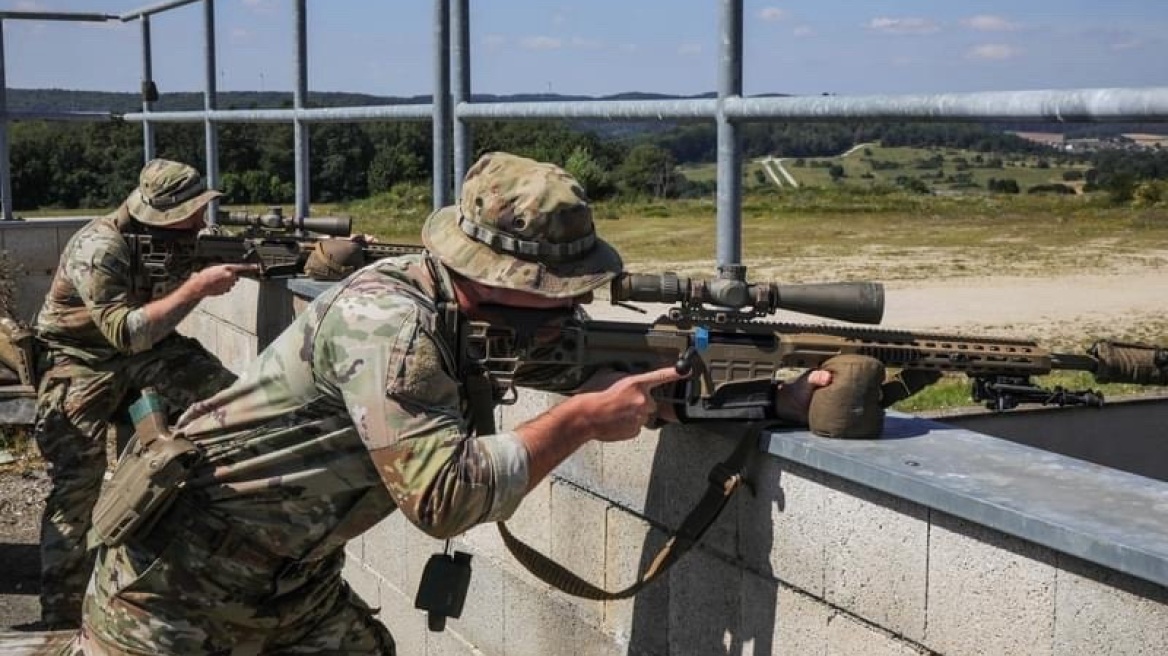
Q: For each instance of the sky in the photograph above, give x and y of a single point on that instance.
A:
(599, 47)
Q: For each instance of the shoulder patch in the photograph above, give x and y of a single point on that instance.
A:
(423, 378)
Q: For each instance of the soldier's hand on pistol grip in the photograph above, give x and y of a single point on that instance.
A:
(218, 279)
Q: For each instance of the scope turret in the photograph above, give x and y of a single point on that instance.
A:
(857, 302)
(275, 221)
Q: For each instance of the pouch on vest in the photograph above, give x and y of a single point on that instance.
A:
(17, 355)
(148, 476)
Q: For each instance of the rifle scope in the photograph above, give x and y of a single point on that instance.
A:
(275, 221)
(857, 302)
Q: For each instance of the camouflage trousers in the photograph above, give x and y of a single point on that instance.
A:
(75, 406)
(189, 599)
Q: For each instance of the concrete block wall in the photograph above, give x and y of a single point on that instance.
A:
(238, 325)
(809, 564)
(36, 245)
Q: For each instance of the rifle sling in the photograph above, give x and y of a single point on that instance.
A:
(724, 479)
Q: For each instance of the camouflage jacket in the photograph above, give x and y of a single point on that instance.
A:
(353, 411)
(93, 292)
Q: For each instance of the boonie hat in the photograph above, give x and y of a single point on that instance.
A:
(524, 225)
(167, 193)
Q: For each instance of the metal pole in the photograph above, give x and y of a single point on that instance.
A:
(441, 104)
(460, 47)
(300, 140)
(209, 102)
(147, 90)
(729, 228)
(5, 169)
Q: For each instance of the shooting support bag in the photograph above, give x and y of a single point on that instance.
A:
(1121, 362)
(334, 259)
(851, 406)
(148, 476)
(17, 354)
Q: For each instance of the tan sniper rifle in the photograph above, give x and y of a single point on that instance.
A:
(714, 328)
(279, 246)
(714, 331)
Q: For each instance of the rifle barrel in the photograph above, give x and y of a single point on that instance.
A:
(1073, 361)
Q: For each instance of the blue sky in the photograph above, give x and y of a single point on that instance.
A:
(599, 47)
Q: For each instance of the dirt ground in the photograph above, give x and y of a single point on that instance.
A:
(1065, 310)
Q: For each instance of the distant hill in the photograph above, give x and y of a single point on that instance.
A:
(125, 102)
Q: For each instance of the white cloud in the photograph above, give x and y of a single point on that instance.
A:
(903, 25)
(689, 49)
(988, 23)
(1127, 44)
(541, 43)
(803, 31)
(30, 5)
(772, 14)
(993, 52)
(240, 34)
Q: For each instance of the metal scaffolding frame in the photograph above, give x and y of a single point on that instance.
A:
(453, 112)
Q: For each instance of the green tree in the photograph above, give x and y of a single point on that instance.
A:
(650, 170)
(595, 179)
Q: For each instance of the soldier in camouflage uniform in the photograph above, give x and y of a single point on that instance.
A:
(356, 411)
(107, 332)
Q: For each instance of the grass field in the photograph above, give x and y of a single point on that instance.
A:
(874, 165)
(903, 235)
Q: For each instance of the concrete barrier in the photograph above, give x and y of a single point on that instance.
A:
(36, 245)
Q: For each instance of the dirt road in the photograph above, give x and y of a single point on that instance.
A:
(1067, 310)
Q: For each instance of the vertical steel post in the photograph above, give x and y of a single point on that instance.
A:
(300, 134)
(209, 102)
(441, 104)
(729, 228)
(5, 168)
(460, 79)
(147, 83)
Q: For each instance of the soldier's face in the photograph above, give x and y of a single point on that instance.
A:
(195, 222)
(472, 296)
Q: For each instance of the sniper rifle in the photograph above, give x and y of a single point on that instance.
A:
(279, 246)
(713, 328)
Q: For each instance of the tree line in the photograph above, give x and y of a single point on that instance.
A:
(94, 165)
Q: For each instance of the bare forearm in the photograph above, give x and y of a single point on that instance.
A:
(553, 436)
(159, 318)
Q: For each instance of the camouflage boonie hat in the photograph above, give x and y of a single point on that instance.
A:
(524, 225)
(167, 193)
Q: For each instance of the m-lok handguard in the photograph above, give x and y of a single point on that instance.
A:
(148, 476)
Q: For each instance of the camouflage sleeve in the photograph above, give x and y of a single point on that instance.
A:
(99, 269)
(406, 406)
